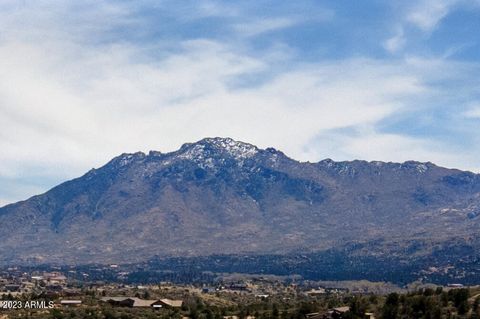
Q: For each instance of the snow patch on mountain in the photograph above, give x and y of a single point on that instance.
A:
(236, 149)
(209, 147)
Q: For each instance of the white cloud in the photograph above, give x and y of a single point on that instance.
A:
(255, 26)
(472, 112)
(262, 26)
(395, 43)
(426, 14)
(216, 9)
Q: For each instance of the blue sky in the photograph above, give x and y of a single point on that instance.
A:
(83, 81)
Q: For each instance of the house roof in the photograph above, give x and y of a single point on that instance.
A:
(61, 277)
(122, 298)
(143, 303)
(137, 302)
(342, 309)
(172, 303)
(67, 302)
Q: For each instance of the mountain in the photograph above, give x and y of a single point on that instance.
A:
(220, 196)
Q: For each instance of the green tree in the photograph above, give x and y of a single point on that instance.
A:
(275, 312)
(391, 307)
(460, 300)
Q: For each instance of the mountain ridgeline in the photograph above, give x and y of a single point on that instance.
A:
(223, 197)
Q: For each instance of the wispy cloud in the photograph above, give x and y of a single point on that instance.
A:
(426, 14)
(473, 111)
(417, 21)
(263, 26)
(396, 42)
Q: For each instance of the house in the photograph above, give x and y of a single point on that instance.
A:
(70, 303)
(144, 303)
(335, 313)
(37, 278)
(339, 312)
(59, 279)
(12, 287)
(54, 277)
(134, 302)
(168, 303)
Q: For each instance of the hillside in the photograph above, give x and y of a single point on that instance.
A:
(220, 196)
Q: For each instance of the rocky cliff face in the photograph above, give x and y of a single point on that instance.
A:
(220, 196)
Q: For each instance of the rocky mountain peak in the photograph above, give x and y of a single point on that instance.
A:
(125, 159)
(210, 147)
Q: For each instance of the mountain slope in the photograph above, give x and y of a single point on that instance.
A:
(220, 196)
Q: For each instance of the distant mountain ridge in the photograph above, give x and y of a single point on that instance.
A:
(220, 196)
